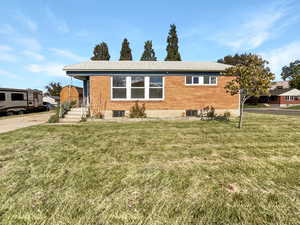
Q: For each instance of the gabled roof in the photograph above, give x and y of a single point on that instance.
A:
(285, 92)
(161, 66)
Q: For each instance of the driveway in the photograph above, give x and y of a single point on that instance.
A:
(27, 120)
(276, 111)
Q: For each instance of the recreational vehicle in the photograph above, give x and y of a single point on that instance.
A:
(19, 101)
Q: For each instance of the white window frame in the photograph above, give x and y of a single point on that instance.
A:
(128, 89)
(201, 80)
(291, 98)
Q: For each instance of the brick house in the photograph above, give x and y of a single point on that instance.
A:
(167, 88)
(284, 97)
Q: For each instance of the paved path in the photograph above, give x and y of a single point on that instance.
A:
(27, 120)
(276, 111)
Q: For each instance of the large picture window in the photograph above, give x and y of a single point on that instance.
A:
(201, 80)
(137, 87)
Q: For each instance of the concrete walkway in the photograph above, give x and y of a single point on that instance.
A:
(276, 111)
(27, 120)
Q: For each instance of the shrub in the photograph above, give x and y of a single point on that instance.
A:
(53, 119)
(73, 104)
(137, 111)
(227, 115)
(99, 115)
(83, 119)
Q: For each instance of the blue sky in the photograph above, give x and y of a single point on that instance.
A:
(39, 37)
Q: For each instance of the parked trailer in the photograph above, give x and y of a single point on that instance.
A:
(19, 101)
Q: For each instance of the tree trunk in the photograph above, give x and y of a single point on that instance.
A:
(242, 112)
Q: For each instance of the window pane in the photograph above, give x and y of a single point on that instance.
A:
(118, 113)
(137, 82)
(119, 92)
(196, 80)
(188, 79)
(17, 97)
(137, 92)
(213, 80)
(206, 80)
(2, 96)
(155, 81)
(155, 93)
(119, 81)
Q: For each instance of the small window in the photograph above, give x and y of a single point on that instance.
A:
(189, 80)
(118, 113)
(191, 112)
(195, 80)
(2, 96)
(119, 87)
(156, 88)
(17, 97)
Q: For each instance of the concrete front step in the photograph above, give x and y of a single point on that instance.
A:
(78, 110)
(76, 117)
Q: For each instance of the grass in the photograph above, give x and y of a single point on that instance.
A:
(155, 172)
(294, 107)
(256, 106)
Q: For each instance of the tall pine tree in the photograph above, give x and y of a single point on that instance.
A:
(148, 54)
(125, 53)
(172, 47)
(101, 52)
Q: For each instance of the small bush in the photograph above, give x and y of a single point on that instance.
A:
(137, 111)
(99, 115)
(227, 115)
(83, 119)
(73, 104)
(53, 119)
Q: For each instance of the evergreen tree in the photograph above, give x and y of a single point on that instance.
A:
(125, 53)
(172, 47)
(148, 54)
(101, 52)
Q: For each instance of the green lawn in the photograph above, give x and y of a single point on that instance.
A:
(294, 107)
(158, 172)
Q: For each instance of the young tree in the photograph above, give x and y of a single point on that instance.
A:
(292, 73)
(252, 79)
(148, 54)
(101, 52)
(53, 89)
(125, 53)
(172, 47)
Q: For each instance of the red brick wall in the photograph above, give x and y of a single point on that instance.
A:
(283, 101)
(178, 96)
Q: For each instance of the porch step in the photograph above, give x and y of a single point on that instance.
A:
(69, 120)
(73, 116)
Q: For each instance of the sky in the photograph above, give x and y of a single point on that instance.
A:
(39, 37)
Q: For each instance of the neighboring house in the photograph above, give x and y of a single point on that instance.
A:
(280, 84)
(167, 88)
(284, 97)
(53, 100)
(71, 93)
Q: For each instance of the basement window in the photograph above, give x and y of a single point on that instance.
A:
(191, 112)
(118, 113)
(2, 96)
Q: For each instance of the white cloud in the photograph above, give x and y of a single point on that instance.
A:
(282, 56)
(67, 54)
(51, 69)
(34, 55)
(256, 28)
(31, 25)
(60, 24)
(6, 54)
(6, 29)
(8, 74)
(5, 48)
(30, 44)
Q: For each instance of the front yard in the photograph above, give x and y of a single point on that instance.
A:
(156, 172)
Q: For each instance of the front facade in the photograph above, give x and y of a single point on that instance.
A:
(168, 89)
